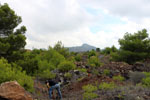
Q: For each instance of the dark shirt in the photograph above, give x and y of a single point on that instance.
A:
(52, 83)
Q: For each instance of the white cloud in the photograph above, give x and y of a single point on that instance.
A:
(49, 21)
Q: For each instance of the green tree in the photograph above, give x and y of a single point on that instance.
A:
(134, 47)
(94, 61)
(109, 50)
(66, 66)
(61, 49)
(12, 72)
(11, 39)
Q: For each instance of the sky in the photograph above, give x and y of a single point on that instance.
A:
(73, 22)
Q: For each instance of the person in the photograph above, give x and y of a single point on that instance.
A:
(51, 84)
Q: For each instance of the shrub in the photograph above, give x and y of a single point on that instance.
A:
(136, 77)
(134, 47)
(107, 86)
(78, 57)
(95, 72)
(89, 88)
(91, 53)
(146, 82)
(82, 70)
(89, 96)
(13, 72)
(94, 61)
(88, 92)
(106, 72)
(68, 75)
(47, 74)
(66, 66)
(118, 78)
(147, 74)
(24, 80)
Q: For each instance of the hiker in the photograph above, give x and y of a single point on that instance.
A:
(53, 85)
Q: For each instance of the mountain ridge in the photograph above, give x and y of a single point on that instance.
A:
(84, 47)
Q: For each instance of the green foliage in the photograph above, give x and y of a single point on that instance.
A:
(47, 74)
(106, 72)
(66, 66)
(24, 80)
(89, 96)
(53, 56)
(61, 49)
(109, 50)
(91, 53)
(134, 47)
(94, 61)
(29, 63)
(89, 88)
(13, 72)
(146, 82)
(82, 70)
(147, 74)
(68, 75)
(98, 49)
(78, 57)
(118, 78)
(88, 92)
(107, 86)
(12, 40)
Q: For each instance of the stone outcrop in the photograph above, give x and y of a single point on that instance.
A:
(13, 91)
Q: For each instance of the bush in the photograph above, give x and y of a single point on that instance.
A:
(94, 61)
(88, 92)
(82, 70)
(13, 72)
(68, 75)
(78, 57)
(106, 72)
(146, 82)
(24, 80)
(66, 66)
(107, 86)
(89, 88)
(89, 96)
(47, 74)
(134, 47)
(91, 53)
(147, 74)
(118, 78)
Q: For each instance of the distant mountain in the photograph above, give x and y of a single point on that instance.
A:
(82, 48)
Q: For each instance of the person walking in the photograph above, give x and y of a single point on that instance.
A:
(51, 84)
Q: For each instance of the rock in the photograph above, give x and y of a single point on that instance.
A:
(13, 91)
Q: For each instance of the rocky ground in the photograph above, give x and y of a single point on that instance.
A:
(72, 87)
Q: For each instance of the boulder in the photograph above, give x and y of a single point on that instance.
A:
(13, 91)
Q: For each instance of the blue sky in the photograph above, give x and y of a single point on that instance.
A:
(104, 21)
(96, 22)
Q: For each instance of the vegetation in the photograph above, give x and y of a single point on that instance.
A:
(66, 66)
(78, 57)
(133, 47)
(94, 61)
(107, 86)
(12, 40)
(88, 92)
(13, 72)
(89, 88)
(118, 78)
(109, 50)
(106, 72)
